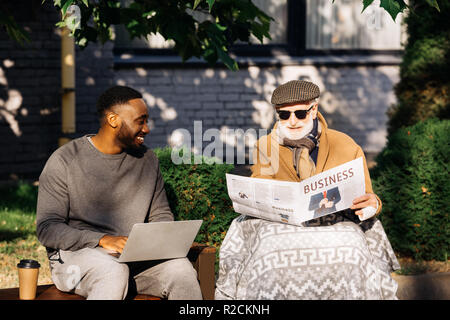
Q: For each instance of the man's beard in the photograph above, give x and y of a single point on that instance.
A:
(126, 138)
(286, 133)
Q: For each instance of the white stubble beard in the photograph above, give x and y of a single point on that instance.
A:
(285, 132)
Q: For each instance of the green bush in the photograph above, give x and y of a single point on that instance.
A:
(412, 179)
(424, 88)
(198, 191)
(20, 196)
(17, 212)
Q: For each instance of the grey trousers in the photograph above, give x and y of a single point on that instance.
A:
(96, 275)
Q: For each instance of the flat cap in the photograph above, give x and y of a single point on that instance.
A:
(295, 91)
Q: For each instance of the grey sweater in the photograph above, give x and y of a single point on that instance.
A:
(85, 194)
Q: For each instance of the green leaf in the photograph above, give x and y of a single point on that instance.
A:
(65, 5)
(196, 3)
(434, 4)
(227, 60)
(14, 30)
(259, 31)
(232, 21)
(366, 3)
(221, 28)
(82, 42)
(393, 7)
(210, 3)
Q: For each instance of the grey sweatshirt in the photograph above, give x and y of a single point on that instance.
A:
(85, 194)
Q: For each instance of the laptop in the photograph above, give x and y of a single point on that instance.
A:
(158, 240)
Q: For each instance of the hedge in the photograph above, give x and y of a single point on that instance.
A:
(198, 191)
(423, 91)
(412, 179)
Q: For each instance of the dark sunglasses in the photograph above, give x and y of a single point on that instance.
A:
(300, 114)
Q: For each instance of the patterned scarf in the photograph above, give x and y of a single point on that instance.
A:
(301, 151)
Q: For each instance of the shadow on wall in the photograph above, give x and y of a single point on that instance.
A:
(94, 75)
(29, 93)
(353, 100)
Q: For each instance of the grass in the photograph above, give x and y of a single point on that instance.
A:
(410, 266)
(18, 234)
(17, 212)
(18, 239)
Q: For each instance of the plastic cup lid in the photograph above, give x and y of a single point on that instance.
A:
(28, 263)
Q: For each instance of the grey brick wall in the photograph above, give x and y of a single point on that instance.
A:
(29, 94)
(354, 99)
(94, 74)
(30, 91)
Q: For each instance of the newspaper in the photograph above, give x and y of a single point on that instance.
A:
(296, 202)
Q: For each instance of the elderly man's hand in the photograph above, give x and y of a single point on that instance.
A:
(116, 243)
(369, 199)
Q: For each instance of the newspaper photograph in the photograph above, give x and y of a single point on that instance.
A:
(296, 202)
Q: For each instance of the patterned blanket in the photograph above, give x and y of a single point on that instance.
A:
(329, 258)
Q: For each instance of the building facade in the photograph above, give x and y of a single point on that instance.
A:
(355, 74)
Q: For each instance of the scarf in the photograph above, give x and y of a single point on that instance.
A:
(304, 151)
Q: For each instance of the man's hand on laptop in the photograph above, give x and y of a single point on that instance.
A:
(115, 243)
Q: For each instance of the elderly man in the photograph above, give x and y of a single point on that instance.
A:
(91, 192)
(345, 255)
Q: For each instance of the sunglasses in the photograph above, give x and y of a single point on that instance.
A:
(300, 114)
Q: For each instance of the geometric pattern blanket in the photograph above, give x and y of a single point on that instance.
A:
(328, 258)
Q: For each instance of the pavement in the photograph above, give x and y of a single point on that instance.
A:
(428, 286)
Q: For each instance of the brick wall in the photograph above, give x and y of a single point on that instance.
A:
(29, 94)
(30, 91)
(354, 97)
(94, 74)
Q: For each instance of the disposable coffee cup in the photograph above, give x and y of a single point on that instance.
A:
(28, 278)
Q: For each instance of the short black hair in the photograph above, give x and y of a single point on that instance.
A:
(115, 96)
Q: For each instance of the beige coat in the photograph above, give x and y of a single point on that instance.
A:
(335, 148)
